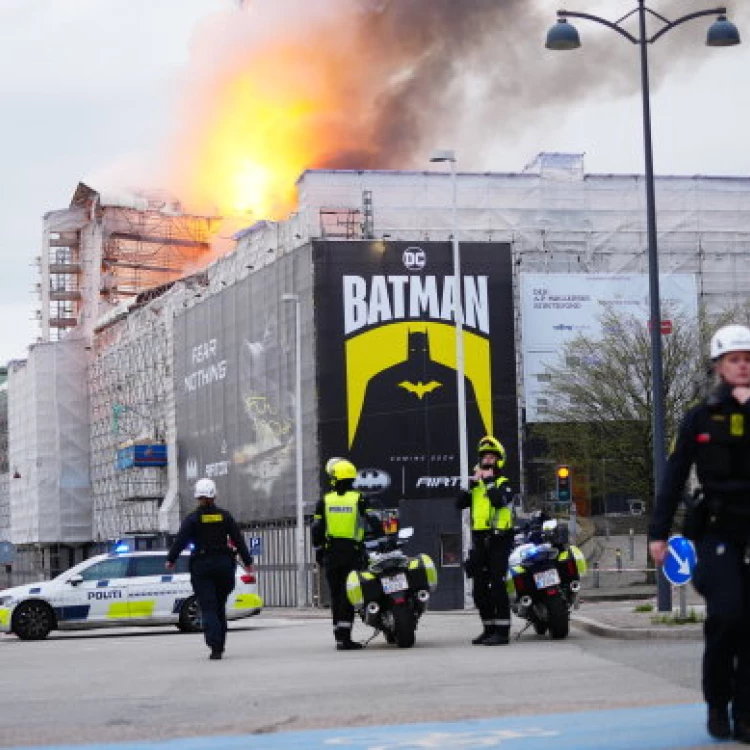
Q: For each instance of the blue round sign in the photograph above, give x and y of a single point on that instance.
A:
(680, 560)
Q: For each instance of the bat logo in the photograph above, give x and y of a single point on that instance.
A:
(419, 388)
(372, 480)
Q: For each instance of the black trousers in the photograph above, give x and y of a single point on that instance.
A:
(212, 577)
(342, 611)
(490, 554)
(722, 577)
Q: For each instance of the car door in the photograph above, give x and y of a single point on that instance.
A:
(102, 595)
(154, 591)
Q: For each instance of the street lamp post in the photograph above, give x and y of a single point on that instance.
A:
(463, 458)
(722, 33)
(300, 528)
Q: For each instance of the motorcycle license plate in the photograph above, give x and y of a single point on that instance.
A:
(546, 578)
(394, 583)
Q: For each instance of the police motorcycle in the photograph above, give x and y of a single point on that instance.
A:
(393, 590)
(544, 577)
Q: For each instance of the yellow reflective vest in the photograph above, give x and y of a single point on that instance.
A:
(342, 516)
(484, 515)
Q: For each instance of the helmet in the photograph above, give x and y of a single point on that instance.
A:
(205, 488)
(343, 469)
(730, 339)
(489, 444)
(330, 463)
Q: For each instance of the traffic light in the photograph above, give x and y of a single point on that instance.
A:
(564, 489)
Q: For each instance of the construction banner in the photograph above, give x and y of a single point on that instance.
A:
(387, 361)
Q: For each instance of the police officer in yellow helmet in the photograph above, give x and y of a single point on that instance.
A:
(490, 499)
(714, 437)
(338, 533)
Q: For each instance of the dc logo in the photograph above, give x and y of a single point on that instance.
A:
(414, 258)
(191, 469)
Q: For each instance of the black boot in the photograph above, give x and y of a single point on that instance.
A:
(483, 636)
(498, 637)
(742, 729)
(348, 645)
(718, 723)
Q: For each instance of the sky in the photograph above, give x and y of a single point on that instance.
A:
(99, 90)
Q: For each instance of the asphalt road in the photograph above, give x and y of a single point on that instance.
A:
(283, 675)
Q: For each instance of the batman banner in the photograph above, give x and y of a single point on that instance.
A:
(387, 361)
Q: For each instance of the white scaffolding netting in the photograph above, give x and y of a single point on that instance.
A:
(50, 499)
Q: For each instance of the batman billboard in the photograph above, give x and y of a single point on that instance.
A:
(387, 365)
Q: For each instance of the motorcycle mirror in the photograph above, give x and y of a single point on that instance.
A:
(406, 533)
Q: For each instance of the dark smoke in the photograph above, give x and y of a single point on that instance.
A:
(419, 54)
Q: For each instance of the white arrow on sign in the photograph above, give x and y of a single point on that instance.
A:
(684, 569)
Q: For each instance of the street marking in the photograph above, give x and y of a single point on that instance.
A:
(677, 727)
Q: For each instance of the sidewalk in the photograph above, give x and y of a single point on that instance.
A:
(611, 595)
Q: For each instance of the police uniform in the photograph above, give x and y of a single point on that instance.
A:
(338, 532)
(490, 501)
(715, 437)
(212, 566)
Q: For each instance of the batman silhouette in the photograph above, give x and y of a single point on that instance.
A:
(410, 416)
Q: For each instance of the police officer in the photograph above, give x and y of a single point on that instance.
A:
(490, 499)
(212, 562)
(715, 437)
(338, 532)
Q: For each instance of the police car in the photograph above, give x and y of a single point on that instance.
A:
(114, 590)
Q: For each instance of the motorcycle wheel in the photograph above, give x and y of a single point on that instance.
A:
(404, 625)
(559, 619)
(540, 628)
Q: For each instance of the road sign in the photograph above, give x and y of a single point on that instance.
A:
(255, 545)
(680, 560)
(7, 553)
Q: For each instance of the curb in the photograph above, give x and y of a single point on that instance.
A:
(679, 632)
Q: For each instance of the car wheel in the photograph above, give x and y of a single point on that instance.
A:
(190, 616)
(32, 621)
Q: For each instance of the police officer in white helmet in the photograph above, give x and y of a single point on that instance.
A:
(212, 562)
(715, 438)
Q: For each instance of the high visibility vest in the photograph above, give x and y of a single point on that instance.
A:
(343, 519)
(484, 515)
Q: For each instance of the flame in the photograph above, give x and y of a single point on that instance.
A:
(261, 122)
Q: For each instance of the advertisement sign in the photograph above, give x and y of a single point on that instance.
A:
(386, 351)
(556, 308)
(234, 392)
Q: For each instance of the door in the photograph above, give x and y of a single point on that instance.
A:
(102, 596)
(153, 591)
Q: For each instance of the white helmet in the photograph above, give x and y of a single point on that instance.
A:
(730, 339)
(205, 488)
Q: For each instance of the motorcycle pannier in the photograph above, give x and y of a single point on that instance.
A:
(362, 587)
(422, 573)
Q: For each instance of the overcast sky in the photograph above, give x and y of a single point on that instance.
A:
(88, 86)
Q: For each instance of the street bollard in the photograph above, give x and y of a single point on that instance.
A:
(632, 546)
(618, 559)
(596, 575)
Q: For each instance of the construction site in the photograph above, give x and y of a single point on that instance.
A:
(112, 415)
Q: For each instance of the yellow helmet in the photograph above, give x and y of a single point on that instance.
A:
(343, 469)
(330, 463)
(489, 444)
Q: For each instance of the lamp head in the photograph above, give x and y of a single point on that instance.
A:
(722, 33)
(562, 36)
(289, 297)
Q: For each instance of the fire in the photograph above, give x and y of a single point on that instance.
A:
(260, 122)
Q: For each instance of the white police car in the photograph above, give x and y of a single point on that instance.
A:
(131, 588)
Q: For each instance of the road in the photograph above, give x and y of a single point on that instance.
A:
(282, 675)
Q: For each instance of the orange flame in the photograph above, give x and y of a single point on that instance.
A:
(262, 121)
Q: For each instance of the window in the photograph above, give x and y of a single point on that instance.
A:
(450, 550)
(153, 565)
(115, 568)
